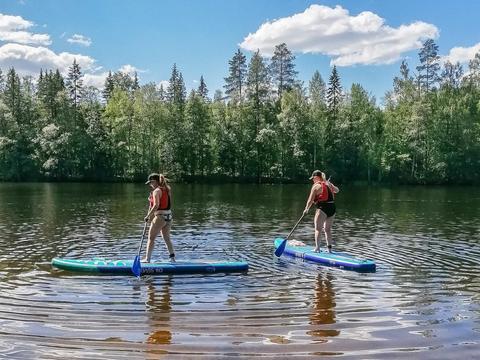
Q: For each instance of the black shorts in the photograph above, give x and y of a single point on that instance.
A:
(328, 208)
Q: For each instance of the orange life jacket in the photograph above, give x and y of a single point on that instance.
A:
(164, 199)
(326, 195)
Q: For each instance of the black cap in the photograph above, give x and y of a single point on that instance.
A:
(151, 177)
(316, 173)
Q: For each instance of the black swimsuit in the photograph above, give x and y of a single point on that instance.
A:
(328, 207)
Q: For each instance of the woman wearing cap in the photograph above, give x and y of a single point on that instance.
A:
(160, 214)
(322, 195)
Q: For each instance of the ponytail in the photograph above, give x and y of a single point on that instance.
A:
(163, 181)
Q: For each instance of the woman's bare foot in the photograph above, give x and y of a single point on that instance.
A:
(316, 249)
(144, 260)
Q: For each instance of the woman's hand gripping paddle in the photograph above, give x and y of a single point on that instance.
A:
(137, 266)
(279, 251)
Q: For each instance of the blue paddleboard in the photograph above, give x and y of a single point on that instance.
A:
(124, 267)
(341, 260)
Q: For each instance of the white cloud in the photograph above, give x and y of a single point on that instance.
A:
(349, 40)
(25, 53)
(462, 54)
(164, 84)
(12, 29)
(96, 80)
(11, 22)
(80, 39)
(130, 69)
(28, 60)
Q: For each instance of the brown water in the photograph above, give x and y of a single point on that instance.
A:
(423, 302)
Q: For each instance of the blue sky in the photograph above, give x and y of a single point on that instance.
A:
(366, 39)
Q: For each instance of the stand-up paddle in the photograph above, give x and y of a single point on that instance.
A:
(137, 266)
(281, 247)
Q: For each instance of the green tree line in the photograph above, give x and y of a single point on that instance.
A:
(265, 126)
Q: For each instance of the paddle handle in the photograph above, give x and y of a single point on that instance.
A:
(143, 237)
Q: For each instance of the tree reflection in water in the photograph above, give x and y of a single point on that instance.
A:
(323, 308)
(158, 306)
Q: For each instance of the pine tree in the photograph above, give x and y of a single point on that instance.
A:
(334, 98)
(122, 81)
(180, 89)
(218, 96)
(429, 65)
(403, 86)
(74, 83)
(334, 93)
(48, 87)
(282, 69)
(404, 70)
(161, 93)
(58, 81)
(12, 94)
(202, 89)
(108, 87)
(176, 92)
(135, 84)
(317, 89)
(258, 88)
(41, 85)
(452, 75)
(258, 81)
(474, 70)
(235, 82)
(2, 81)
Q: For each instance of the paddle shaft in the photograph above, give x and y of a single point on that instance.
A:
(143, 237)
(298, 222)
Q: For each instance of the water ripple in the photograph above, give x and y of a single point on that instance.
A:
(422, 301)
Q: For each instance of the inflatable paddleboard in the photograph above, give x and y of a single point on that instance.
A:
(341, 260)
(124, 267)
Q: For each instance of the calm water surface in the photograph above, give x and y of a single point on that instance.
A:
(423, 302)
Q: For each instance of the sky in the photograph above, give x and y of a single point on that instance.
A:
(365, 39)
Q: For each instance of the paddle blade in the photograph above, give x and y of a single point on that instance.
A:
(137, 267)
(279, 250)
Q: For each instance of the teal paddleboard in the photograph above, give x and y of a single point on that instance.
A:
(124, 267)
(341, 260)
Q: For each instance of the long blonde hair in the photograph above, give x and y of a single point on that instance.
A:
(163, 181)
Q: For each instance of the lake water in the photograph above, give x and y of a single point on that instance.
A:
(423, 301)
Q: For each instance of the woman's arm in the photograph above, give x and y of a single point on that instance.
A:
(157, 193)
(310, 199)
(333, 187)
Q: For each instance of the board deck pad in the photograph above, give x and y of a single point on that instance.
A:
(337, 259)
(124, 267)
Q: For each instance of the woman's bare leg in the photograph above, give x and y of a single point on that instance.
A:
(157, 223)
(320, 217)
(166, 238)
(327, 228)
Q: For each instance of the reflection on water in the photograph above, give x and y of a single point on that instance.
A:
(422, 302)
(323, 307)
(158, 307)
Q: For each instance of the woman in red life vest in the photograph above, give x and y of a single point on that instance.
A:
(322, 195)
(160, 214)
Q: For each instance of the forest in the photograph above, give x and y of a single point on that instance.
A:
(263, 126)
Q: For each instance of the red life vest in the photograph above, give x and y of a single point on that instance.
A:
(164, 199)
(326, 195)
